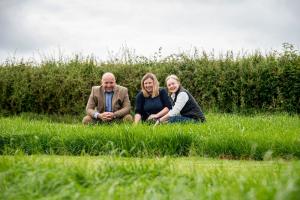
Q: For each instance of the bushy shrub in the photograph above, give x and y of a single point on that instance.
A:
(245, 83)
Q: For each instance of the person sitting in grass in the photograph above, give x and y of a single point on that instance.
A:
(108, 102)
(184, 106)
(152, 102)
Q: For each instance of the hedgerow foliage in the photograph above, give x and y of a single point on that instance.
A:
(250, 82)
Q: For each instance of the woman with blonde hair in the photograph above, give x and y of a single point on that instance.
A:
(152, 102)
(184, 106)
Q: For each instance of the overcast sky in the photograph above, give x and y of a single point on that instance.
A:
(31, 28)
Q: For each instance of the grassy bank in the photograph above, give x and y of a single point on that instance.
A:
(224, 136)
(60, 177)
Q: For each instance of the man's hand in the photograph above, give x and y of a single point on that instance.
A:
(106, 116)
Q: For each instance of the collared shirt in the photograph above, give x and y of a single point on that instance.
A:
(108, 101)
(182, 98)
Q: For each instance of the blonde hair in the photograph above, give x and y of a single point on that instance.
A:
(172, 76)
(155, 91)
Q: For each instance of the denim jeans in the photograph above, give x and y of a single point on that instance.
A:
(178, 119)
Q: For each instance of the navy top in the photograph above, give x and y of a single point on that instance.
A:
(145, 106)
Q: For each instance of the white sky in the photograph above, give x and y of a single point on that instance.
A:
(31, 28)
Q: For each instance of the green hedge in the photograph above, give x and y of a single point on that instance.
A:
(253, 82)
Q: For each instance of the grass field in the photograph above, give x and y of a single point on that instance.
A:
(121, 161)
(228, 136)
(67, 177)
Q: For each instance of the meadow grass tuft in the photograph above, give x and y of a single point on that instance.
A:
(223, 136)
(67, 177)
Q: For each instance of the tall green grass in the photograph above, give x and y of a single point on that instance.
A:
(224, 136)
(60, 177)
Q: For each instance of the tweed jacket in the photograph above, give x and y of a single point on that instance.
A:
(120, 101)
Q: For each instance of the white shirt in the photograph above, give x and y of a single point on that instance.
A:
(181, 100)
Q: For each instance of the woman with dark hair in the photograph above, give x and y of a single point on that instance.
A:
(152, 102)
(184, 106)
